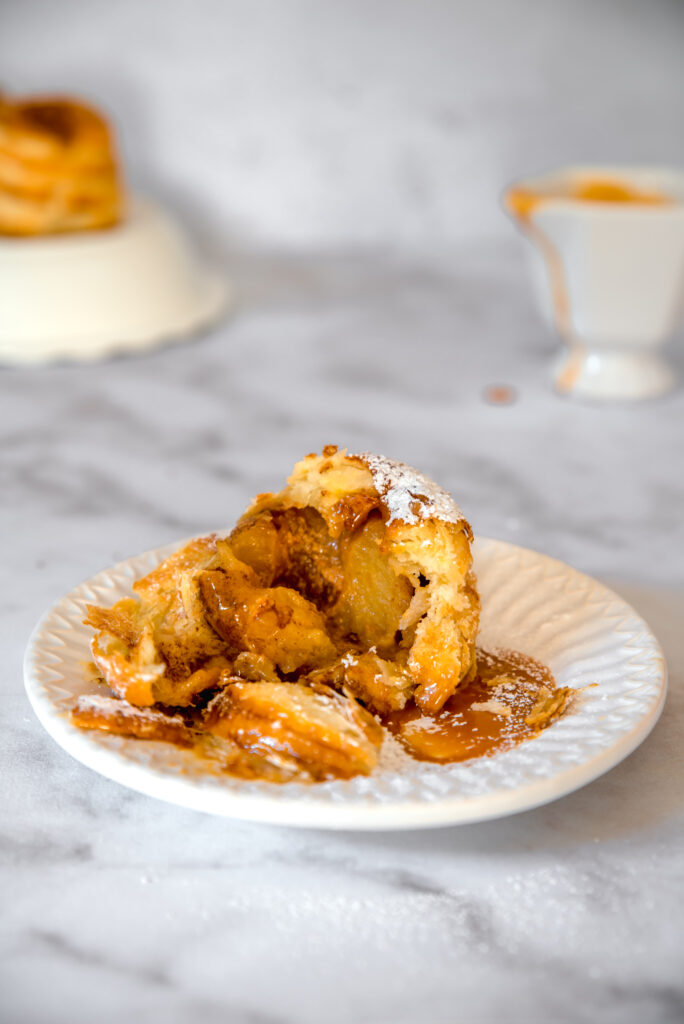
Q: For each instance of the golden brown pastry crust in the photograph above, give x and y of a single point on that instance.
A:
(315, 729)
(58, 167)
(157, 647)
(352, 588)
(421, 537)
(117, 716)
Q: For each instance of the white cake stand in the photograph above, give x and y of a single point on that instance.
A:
(96, 294)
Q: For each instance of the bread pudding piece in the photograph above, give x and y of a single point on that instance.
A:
(312, 730)
(109, 714)
(351, 589)
(381, 685)
(158, 647)
(276, 623)
(384, 554)
(58, 168)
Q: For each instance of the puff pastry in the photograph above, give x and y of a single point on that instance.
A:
(348, 593)
(58, 167)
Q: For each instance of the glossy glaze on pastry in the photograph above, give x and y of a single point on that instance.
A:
(346, 600)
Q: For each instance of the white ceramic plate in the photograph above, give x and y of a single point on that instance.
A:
(93, 294)
(584, 632)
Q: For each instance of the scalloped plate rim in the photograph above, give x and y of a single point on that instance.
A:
(314, 812)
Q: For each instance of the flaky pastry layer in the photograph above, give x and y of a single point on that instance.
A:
(58, 167)
(350, 591)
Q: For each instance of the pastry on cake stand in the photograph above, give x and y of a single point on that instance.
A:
(85, 270)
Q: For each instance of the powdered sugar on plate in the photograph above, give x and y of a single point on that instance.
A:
(409, 496)
(393, 757)
(97, 702)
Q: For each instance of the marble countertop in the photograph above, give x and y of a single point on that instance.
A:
(117, 907)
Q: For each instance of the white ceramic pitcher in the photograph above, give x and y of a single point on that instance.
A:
(609, 275)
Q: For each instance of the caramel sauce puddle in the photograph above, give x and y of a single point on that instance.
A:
(493, 712)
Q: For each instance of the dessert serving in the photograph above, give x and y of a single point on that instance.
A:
(58, 167)
(340, 614)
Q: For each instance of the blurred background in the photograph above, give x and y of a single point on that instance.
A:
(385, 123)
(347, 162)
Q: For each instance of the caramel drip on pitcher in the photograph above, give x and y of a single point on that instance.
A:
(522, 202)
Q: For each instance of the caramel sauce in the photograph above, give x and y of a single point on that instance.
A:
(510, 700)
(54, 118)
(522, 201)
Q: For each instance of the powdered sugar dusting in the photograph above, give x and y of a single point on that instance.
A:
(112, 705)
(393, 757)
(409, 496)
(495, 707)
